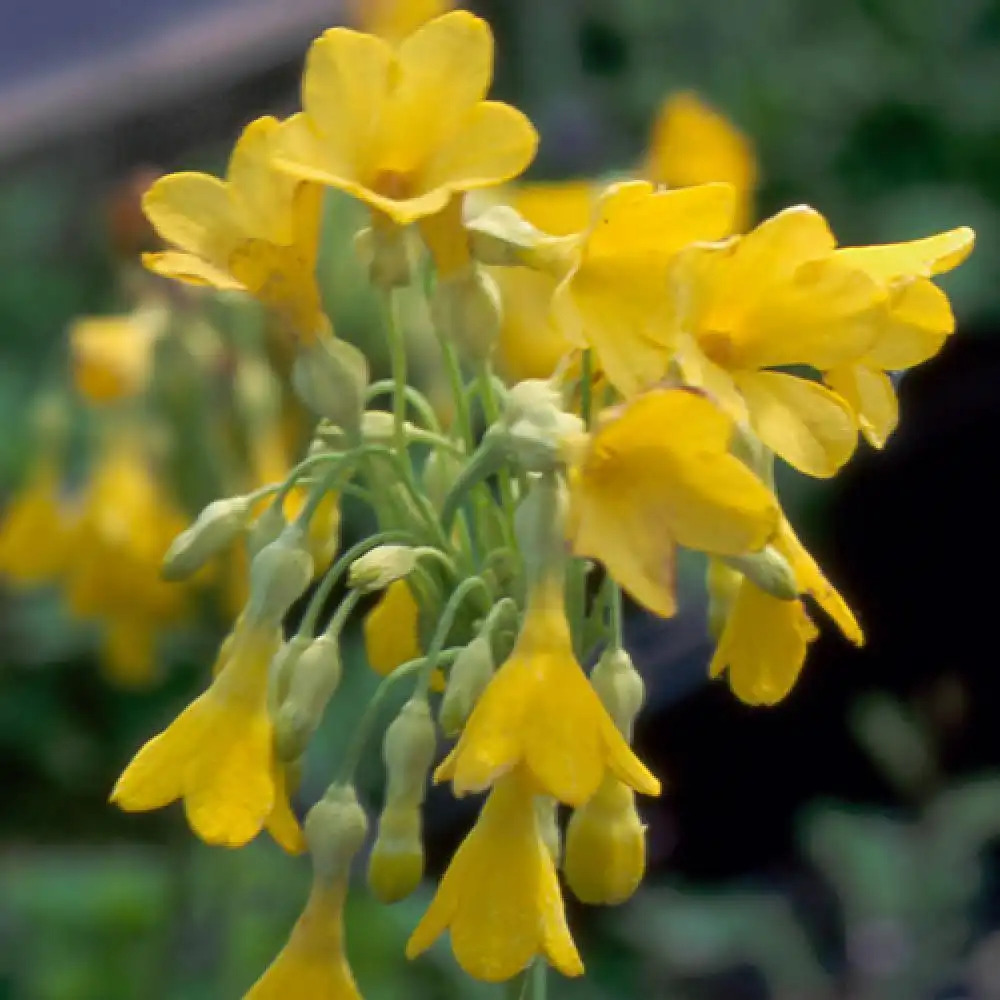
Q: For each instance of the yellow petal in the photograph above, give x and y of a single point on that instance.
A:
(282, 823)
(557, 207)
(129, 652)
(394, 20)
(931, 255)
(195, 213)
(808, 425)
(692, 143)
(915, 323)
(763, 646)
(112, 356)
(392, 629)
(494, 143)
(812, 581)
(870, 393)
(192, 270)
(657, 474)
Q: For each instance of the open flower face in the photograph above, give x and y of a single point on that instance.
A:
(614, 298)
(257, 231)
(403, 129)
(500, 895)
(657, 473)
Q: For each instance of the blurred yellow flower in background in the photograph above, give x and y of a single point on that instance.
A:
(395, 20)
(112, 356)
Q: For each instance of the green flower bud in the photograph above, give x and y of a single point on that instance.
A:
(502, 237)
(279, 575)
(379, 427)
(313, 681)
(385, 252)
(539, 525)
(769, 569)
(330, 376)
(266, 529)
(466, 310)
(408, 752)
(620, 687)
(396, 865)
(440, 472)
(213, 530)
(283, 666)
(467, 679)
(335, 830)
(380, 566)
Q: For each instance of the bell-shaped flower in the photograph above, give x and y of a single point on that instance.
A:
(257, 231)
(540, 712)
(405, 128)
(657, 473)
(500, 895)
(218, 754)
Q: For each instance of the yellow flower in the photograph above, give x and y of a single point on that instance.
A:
(531, 344)
(35, 531)
(395, 20)
(539, 711)
(218, 755)
(606, 846)
(313, 963)
(693, 144)
(113, 355)
(614, 296)
(656, 474)
(779, 297)
(500, 895)
(391, 629)
(128, 653)
(764, 641)
(403, 129)
(915, 322)
(257, 231)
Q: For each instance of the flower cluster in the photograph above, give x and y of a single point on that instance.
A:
(680, 351)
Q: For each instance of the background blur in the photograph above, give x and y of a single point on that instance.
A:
(841, 845)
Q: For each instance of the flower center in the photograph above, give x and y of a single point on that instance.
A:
(393, 184)
(717, 347)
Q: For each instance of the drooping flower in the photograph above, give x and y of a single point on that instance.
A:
(540, 712)
(391, 629)
(656, 474)
(916, 321)
(692, 143)
(613, 297)
(218, 754)
(774, 298)
(764, 641)
(500, 896)
(404, 129)
(257, 231)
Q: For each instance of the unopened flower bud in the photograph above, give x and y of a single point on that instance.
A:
(770, 570)
(283, 665)
(605, 846)
(330, 376)
(313, 680)
(408, 752)
(266, 529)
(279, 575)
(540, 447)
(380, 566)
(384, 251)
(502, 237)
(619, 686)
(379, 427)
(440, 472)
(396, 865)
(540, 526)
(213, 530)
(467, 310)
(335, 830)
(467, 679)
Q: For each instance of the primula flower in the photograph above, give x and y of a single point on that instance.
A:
(395, 20)
(916, 320)
(500, 896)
(774, 298)
(693, 144)
(218, 756)
(257, 231)
(540, 712)
(403, 129)
(391, 629)
(656, 474)
(313, 963)
(613, 297)
(764, 641)
(113, 355)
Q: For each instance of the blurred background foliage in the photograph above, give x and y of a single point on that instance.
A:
(842, 845)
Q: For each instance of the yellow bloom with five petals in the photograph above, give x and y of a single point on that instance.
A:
(540, 712)
(404, 129)
(500, 896)
(657, 473)
(218, 754)
(257, 231)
